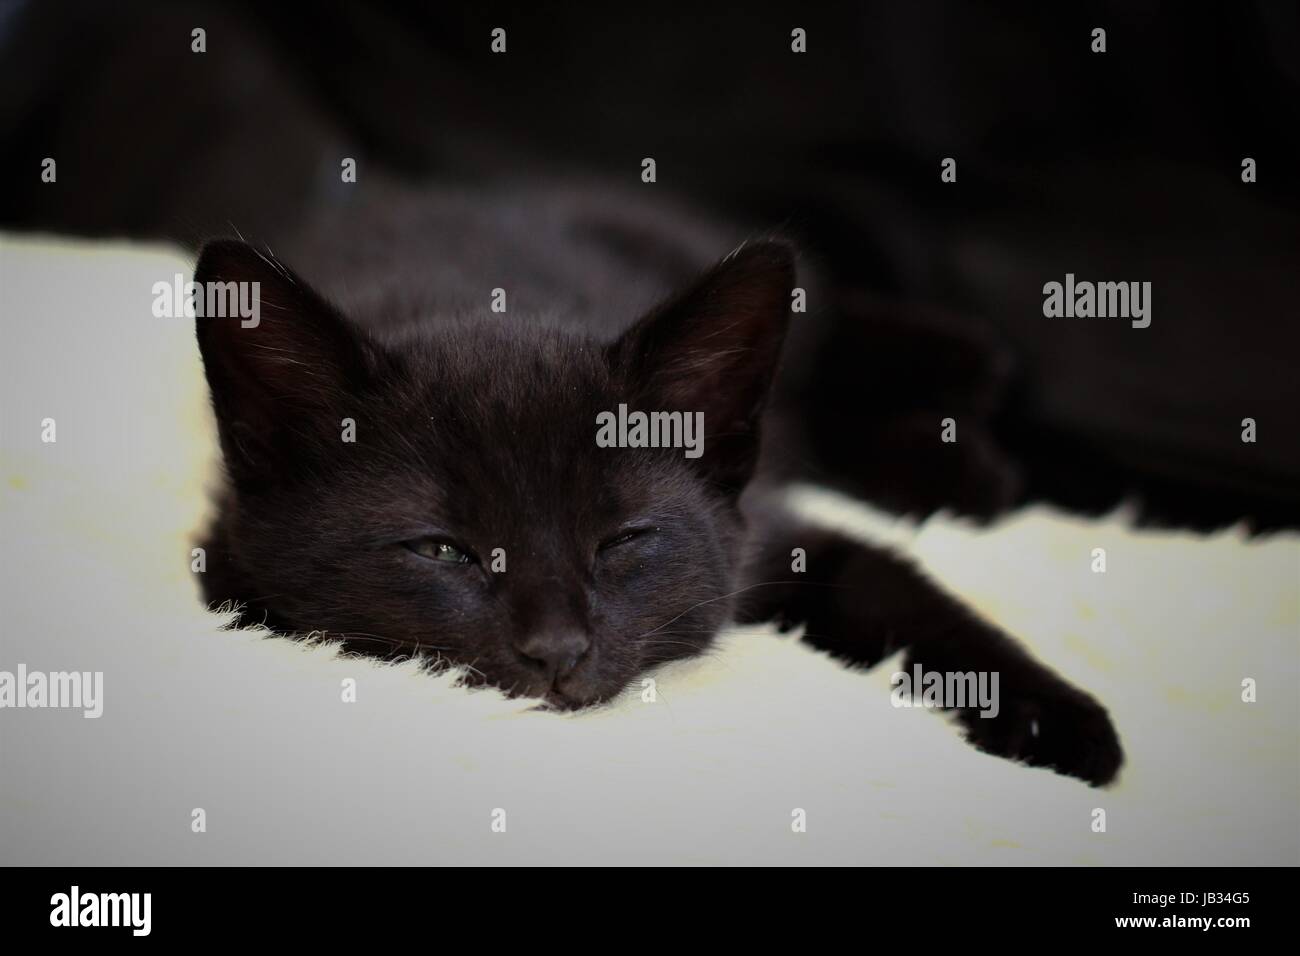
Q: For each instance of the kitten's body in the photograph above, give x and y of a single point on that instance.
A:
(475, 438)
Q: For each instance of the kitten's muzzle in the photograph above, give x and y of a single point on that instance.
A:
(554, 654)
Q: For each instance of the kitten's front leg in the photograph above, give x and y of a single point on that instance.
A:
(861, 604)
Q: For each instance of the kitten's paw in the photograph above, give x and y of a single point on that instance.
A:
(1061, 728)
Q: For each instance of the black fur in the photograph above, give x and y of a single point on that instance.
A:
(477, 430)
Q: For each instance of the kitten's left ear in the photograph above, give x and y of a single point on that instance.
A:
(714, 348)
(282, 380)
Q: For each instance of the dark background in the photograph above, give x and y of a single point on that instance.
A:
(1122, 166)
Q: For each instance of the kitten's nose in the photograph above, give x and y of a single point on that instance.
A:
(558, 652)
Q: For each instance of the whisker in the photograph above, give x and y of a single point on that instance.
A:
(721, 597)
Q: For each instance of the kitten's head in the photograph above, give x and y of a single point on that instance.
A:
(445, 494)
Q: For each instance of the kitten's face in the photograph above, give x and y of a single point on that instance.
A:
(474, 515)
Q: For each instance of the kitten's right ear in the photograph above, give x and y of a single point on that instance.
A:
(713, 349)
(280, 377)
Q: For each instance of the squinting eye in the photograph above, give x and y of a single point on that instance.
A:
(436, 550)
(625, 536)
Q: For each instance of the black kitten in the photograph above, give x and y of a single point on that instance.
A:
(436, 488)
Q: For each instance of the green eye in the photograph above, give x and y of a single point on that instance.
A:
(436, 550)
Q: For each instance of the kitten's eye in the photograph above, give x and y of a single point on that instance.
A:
(623, 537)
(436, 550)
